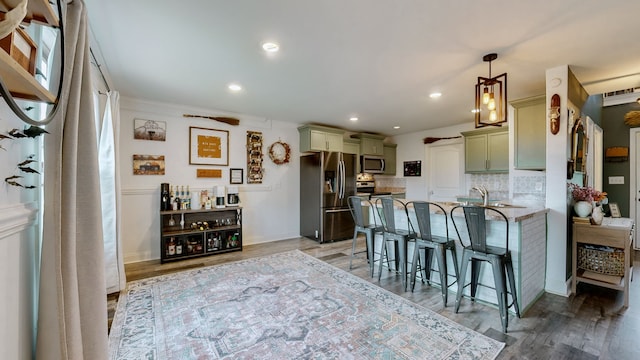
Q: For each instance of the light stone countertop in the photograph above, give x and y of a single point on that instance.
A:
(515, 214)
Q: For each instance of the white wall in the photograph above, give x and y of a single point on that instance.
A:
(270, 209)
(19, 253)
(411, 147)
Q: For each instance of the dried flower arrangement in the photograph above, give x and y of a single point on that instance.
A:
(586, 193)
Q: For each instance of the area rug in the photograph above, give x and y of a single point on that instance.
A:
(284, 306)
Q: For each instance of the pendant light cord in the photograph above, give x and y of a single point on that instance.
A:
(8, 98)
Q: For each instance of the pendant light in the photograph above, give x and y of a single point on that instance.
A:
(491, 97)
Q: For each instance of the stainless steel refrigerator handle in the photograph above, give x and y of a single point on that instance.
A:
(337, 211)
(343, 178)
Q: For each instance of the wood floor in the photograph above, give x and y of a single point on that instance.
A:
(591, 325)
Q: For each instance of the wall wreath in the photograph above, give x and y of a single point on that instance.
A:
(280, 152)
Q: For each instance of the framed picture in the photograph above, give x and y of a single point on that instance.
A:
(149, 130)
(235, 176)
(208, 146)
(615, 210)
(148, 164)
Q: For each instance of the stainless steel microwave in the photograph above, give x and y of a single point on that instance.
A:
(372, 164)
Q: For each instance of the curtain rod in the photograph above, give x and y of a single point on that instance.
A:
(95, 61)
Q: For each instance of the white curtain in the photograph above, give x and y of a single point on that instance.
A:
(72, 309)
(110, 191)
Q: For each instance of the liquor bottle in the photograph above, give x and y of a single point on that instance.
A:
(172, 199)
(188, 198)
(172, 247)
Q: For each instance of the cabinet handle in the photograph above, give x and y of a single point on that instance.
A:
(486, 164)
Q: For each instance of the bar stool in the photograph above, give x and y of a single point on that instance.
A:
(369, 230)
(478, 251)
(430, 245)
(391, 233)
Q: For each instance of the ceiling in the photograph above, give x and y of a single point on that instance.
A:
(375, 59)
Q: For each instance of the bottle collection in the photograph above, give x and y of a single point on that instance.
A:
(199, 223)
(178, 198)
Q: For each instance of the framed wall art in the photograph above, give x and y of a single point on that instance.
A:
(148, 164)
(208, 146)
(615, 210)
(149, 130)
(235, 176)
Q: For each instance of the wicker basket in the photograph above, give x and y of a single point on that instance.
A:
(602, 262)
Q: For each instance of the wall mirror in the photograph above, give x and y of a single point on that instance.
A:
(578, 147)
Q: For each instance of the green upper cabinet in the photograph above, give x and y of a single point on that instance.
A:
(486, 150)
(352, 146)
(390, 159)
(530, 133)
(320, 138)
(370, 144)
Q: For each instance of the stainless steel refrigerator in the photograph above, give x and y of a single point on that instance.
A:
(327, 179)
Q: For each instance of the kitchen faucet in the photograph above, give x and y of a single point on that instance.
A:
(484, 193)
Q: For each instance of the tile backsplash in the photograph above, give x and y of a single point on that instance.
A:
(526, 188)
(497, 184)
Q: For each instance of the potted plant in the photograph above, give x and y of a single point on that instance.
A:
(585, 198)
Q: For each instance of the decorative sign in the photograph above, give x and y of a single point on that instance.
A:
(148, 164)
(149, 130)
(209, 173)
(254, 157)
(413, 168)
(235, 176)
(208, 146)
(554, 114)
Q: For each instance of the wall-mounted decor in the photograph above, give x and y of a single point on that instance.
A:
(208, 146)
(148, 164)
(412, 168)
(632, 118)
(235, 176)
(254, 157)
(280, 152)
(209, 173)
(554, 114)
(616, 153)
(149, 130)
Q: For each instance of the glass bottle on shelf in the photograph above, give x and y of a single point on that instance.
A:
(179, 248)
(188, 198)
(171, 248)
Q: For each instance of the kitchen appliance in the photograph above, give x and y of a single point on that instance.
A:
(165, 200)
(372, 164)
(233, 199)
(220, 194)
(327, 179)
(368, 187)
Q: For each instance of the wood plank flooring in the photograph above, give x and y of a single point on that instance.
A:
(590, 325)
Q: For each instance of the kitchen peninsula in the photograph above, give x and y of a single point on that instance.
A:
(527, 243)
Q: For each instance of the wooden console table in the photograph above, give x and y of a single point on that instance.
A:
(615, 233)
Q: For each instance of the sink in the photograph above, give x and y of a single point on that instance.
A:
(504, 205)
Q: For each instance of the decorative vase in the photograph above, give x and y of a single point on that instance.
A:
(597, 215)
(583, 208)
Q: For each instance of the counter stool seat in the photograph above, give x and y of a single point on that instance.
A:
(427, 245)
(361, 227)
(477, 252)
(387, 207)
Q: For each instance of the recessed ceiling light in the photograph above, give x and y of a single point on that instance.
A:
(396, 127)
(435, 95)
(270, 47)
(353, 118)
(235, 87)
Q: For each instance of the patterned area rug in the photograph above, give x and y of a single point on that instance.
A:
(284, 306)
